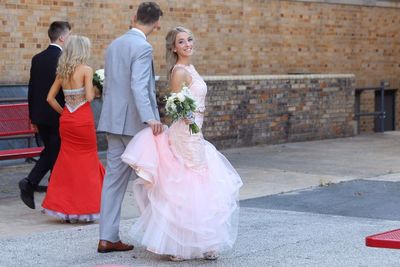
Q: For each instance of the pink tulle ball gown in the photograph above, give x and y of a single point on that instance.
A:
(187, 192)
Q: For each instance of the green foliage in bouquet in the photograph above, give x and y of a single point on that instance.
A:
(98, 79)
(182, 105)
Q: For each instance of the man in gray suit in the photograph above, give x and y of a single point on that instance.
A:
(129, 105)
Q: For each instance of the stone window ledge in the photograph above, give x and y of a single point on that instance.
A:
(270, 77)
(278, 77)
(372, 3)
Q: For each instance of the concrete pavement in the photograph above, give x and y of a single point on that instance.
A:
(268, 236)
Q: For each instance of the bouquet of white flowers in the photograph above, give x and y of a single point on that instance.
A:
(182, 105)
(98, 79)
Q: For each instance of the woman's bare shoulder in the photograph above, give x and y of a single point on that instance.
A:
(180, 74)
(179, 71)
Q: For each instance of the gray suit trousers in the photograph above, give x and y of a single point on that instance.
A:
(114, 187)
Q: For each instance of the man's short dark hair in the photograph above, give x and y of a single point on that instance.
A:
(58, 28)
(148, 13)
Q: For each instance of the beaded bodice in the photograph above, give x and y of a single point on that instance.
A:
(74, 98)
(198, 88)
(190, 147)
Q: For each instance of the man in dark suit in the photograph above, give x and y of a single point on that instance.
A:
(42, 116)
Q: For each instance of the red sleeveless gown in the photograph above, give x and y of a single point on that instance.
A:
(74, 190)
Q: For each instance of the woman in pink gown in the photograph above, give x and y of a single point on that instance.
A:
(187, 191)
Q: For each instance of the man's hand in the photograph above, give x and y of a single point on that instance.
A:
(187, 121)
(156, 126)
(34, 127)
(97, 92)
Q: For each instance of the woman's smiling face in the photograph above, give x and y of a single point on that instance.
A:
(184, 44)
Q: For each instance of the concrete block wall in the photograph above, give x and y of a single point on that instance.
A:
(270, 109)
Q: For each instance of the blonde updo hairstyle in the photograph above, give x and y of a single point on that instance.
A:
(170, 56)
(76, 52)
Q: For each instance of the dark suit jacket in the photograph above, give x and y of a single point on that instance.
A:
(42, 76)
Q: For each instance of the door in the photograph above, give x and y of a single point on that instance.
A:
(389, 103)
(357, 108)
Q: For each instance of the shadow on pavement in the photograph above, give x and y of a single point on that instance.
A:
(358, 198)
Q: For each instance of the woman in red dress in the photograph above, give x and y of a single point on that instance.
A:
(74, 190)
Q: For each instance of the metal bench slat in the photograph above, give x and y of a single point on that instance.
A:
(14, 118)
(20, 153)
(15, 123)
(27, 133)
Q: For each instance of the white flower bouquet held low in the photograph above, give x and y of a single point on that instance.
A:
(181, 105)
(98, 79)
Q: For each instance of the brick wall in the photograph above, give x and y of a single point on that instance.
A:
(367, 105)
(244, 111)
(264, 109)
(243, 37)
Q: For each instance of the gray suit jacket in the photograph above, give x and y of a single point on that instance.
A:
(129, 93)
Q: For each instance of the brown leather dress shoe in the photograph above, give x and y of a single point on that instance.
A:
(107, 246)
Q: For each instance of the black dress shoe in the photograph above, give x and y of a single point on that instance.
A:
(27, 189)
